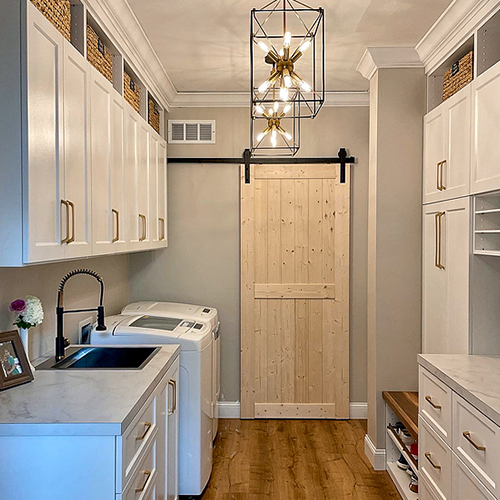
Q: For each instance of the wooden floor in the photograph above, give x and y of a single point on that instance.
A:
(294, 459)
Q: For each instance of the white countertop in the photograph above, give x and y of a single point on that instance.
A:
(476, 378)
(81, 402)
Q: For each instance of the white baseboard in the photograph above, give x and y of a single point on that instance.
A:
(374, 455)
(231, 409)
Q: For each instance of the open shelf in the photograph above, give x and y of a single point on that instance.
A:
(487, 224)
(488, 44)
(405, 405)
(401, 480)
(402, 449)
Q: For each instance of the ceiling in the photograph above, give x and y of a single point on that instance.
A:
(204, 45)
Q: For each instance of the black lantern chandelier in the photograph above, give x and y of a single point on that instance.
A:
(287, 79)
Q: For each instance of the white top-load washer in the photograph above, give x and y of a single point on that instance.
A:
(195, 313)
(195, 392)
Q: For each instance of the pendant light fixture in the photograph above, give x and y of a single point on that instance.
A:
(287, 77)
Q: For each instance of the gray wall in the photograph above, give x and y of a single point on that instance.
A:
(201, 264)
(83, 291)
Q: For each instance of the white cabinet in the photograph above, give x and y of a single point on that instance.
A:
(445, 286)
(486, 150)
(447, 144)
(143, 186)
(158, 190)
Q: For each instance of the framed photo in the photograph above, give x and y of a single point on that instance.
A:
(14, 366)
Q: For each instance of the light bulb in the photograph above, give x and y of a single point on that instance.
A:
(264, 86)
(271, 111)
(287, 79)
(282, 52)
(273, 139)
(262, 135)
(288, 107)
(284, 94)
(305, 46)
(288, 135)
(259, 110)
(263, 46)
(305, 86)
(276, 105)
(287, 39)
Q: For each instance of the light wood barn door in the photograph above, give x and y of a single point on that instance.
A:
(295, 292)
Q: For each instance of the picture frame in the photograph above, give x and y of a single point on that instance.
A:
(14, 366)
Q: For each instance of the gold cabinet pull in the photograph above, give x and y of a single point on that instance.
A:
(143, 227)
(65, 203)
(466, 435)
(438, 177)
(117, 216)
(72, 205)
(436, 246)
(162, 228)
(173, 384)
(428, 456)
(147, 474)
(439, 240)
(443, 164)
(147, 426)
(434, 405)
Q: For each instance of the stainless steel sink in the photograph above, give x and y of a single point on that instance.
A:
(103, 358)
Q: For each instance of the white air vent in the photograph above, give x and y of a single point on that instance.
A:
(191, 132)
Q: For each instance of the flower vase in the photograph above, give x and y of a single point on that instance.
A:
(24, 334)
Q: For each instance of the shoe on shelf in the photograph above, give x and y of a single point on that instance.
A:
(406, 438)
(414, 484)
(414, 451)
(402, 463)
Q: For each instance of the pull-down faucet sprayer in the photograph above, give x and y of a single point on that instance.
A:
(61, 341)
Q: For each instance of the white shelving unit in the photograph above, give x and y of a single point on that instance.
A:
(486, 224)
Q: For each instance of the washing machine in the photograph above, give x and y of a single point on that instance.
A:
(195, 392)
(192, 312)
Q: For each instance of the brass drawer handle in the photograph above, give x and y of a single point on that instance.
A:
(117, 215)
(147, 426)
(173, 384)
(147, 475)
(443, 164)
(72, 205)
(434, 405)
(162, 228)
(428, 456)
(65, 203)
(466, 435)
(142, 218)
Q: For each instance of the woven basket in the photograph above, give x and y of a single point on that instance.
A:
(153, 114)
(131, 91)
(458, 76)
(98, 54)
(58, 12)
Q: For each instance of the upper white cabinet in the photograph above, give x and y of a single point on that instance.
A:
(486, 149)
(447, 141)
(445, 279)
(84, 174)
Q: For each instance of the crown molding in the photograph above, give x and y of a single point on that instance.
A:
(376, 58)
(242, 99)
(457, 23)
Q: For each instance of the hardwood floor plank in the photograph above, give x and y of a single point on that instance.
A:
(294, 460)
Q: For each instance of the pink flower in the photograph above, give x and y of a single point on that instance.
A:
(18, 306)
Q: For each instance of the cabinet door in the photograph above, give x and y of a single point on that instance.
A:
(101, 99)
(143, 185)
(162, 193)
(486, 113)
(45, 222)
(154, 229)
(172, 459)
(434, 152)
(76, 151)
(446, 248)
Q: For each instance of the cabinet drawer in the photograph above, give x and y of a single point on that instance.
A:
(435, 404)
(143, 482)
(476, 440)
(425, 492)
(434, 461)
(137, 437)
(466, 485)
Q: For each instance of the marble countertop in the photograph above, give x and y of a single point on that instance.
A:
(476, 378)
(81, 402)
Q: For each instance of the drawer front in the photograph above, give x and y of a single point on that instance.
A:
(435, 404)
(465, 485)
(425, 492)
(434, 461)
(137, 437)
(144, 479)
(476, 440)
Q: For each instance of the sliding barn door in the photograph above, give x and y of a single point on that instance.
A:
(295, 292)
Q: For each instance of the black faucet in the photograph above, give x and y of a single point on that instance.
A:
(61, 341)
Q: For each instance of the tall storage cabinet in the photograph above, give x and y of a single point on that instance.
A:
(446, 250)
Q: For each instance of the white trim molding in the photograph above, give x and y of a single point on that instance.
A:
(457, 23)
(388, 57)
(376, 456)
(231, 409)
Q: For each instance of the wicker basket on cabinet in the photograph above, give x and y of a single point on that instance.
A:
(58, 12)
(99, 54)
(458, 76)
(153, 114)
(131, 91)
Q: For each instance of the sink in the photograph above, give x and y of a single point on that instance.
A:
(103, 358)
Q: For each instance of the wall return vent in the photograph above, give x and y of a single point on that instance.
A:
(191, 132)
